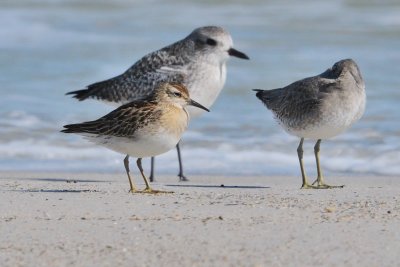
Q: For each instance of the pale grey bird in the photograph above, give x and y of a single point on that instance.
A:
(197, 61)
(319, 107)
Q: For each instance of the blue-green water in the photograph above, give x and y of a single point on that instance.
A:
(52, 47)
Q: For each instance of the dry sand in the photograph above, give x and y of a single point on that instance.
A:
(61, 219)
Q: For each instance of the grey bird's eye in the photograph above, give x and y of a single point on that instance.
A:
(211, 42)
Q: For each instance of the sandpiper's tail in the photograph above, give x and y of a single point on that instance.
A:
(85, 127)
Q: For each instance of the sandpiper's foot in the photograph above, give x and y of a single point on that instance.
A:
(133, 190)
(149, 190)
(182, 178)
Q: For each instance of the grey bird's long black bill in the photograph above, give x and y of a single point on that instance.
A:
(195, 104)
(235, 53)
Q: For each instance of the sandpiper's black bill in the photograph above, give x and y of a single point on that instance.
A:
(194, 103)
(235, 53)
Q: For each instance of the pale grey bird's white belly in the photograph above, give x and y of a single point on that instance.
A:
(205, 85)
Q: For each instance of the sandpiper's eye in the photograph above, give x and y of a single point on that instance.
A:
(177, 94)
(211, 42)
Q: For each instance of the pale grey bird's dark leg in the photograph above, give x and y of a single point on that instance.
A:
(151, 178)
(182, 177)
(126, 164)
(320, 179)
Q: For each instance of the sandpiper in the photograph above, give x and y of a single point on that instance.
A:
(197, 61)
(319, 107)
(142, 128)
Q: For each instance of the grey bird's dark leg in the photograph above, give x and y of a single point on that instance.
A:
(305, 184)
(151, 178)
(182, 177)
(126, 164)
(320, 179)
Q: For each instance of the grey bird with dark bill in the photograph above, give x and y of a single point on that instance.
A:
(319, 107)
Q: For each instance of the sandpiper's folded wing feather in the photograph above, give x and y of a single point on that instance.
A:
(122, 122)
(140, 80)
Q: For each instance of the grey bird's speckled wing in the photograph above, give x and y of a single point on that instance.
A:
(122, 122)
(140, 80)
(299, 100)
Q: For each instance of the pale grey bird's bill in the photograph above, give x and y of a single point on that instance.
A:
(235, 53)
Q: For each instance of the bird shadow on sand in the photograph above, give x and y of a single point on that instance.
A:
(35, 188)
(57, 191)
(222, 186)
(64, 180)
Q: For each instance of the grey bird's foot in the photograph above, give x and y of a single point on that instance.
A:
(323, 185)
(309, 186)
(320, 185)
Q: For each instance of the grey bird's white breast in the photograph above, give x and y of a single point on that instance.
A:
(204, 83)
(339, 111)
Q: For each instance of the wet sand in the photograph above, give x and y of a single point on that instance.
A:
(64, 219)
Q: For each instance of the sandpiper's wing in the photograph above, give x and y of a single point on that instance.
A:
(299, 98)
(140, 80)
(122, 122)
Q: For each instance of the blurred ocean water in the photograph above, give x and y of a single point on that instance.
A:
(48, 48)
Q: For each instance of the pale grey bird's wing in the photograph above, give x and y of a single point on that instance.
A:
(122, 122)
(140, 80)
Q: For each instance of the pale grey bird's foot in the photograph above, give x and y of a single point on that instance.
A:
(182, 178)
(151, 178)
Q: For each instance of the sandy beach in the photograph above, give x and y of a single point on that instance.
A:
(69, 219)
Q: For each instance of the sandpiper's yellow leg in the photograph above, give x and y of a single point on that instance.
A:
(148, 189)
(320, 179)
(305, 185)
(126, 163)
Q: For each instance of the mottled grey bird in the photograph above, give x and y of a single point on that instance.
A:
(142, 128)
(197, 61)
(319, 107)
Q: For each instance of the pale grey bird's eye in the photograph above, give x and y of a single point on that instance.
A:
(211, 42)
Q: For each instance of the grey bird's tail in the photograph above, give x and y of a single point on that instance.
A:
(272, 99)
(268, 97)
